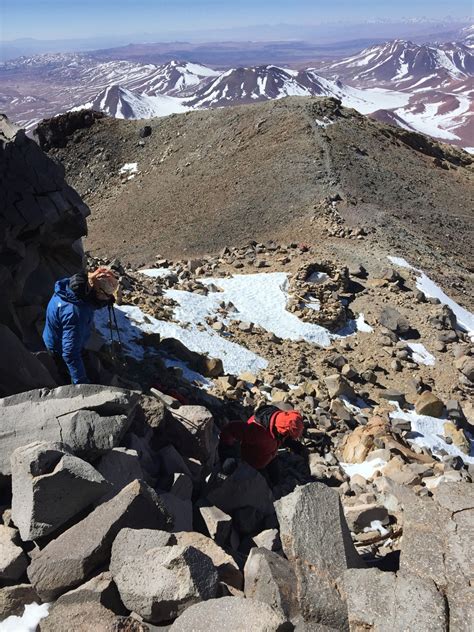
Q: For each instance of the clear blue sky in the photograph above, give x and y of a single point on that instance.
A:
(58, 19)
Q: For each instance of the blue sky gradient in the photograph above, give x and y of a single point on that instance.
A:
(63, 19)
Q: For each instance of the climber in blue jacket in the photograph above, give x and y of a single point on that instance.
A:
(69, 318)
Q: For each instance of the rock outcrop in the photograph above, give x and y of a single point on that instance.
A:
(42, 220)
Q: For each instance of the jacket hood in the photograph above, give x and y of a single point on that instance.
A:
(62, 289)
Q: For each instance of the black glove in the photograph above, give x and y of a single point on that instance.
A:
(295, 446)
(229, 466)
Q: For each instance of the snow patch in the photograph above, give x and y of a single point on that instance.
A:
(428, 432)
(420, 354)
(157, 273)
(366, 469)
(362, 325)
(28, 622)
(130, 169)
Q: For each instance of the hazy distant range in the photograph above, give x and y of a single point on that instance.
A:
(264, 44)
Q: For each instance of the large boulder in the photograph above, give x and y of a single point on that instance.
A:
(316, 539)
(120, 467)
(245, 487)
(231, 613)
(42, 220)
(89, 616)
(227, 568)
(270, 578)
(20, 370)
(70, 559)
(428, 404)
(390, 318)
(162, 582)
(382, 601)
(88, 418)
(50, 486)
(192, 431)
(13, 561)
(132, 543)
(436, 546)
(13, 599)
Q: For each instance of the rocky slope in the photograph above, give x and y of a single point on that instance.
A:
(323, 170)
(114, 512)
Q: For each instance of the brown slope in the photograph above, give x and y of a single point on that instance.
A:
(223, 177)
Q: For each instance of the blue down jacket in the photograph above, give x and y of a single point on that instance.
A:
(68, 327)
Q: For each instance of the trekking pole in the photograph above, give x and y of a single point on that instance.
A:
(111, 332)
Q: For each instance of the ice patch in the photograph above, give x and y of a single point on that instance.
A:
(28, 622)
(366, 469)
(427, 432)
(420, 354)
(429, 288)
(157, 273)
(130, 169)
(376, 525)
(362, 325)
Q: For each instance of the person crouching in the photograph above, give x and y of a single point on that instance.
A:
(257, 440)
(69, 319)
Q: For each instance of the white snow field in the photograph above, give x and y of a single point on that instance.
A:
(258, 298)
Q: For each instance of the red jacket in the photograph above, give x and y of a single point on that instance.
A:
(258, 445)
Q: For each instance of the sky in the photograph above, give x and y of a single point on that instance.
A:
(65, 19)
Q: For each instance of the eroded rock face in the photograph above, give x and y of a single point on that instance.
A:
(318, 544)
(231, 613)
(164, 581)
(42, 220)
(88, 418)
(50, 486)
(70, 559)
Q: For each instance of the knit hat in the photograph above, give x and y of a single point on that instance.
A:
(289, 424)
(79, 285)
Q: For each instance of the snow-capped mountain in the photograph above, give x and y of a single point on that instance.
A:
(466, 36)
(405, 65)
(247, 85)
(122, 103)
(428, 88)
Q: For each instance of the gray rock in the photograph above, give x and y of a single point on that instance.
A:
(13, 561)
(319, 545)
(161, 583)
(20, 370)
(50, 486)
(89, 616)
(231, 613)
(192, 430)
(180, 510)
(70, 559)
(268, 539)
(337, 385)
(244, 487)
(13, 599)
(227, 568)
(100, 589)
(392, 319)
(88, 418)
(120, 467)
(171, 461)
(374, 601)
(218, 524)
(133, 543)
(182, 486)
(270, 578)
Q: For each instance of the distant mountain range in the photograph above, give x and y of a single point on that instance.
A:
(428, 88)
